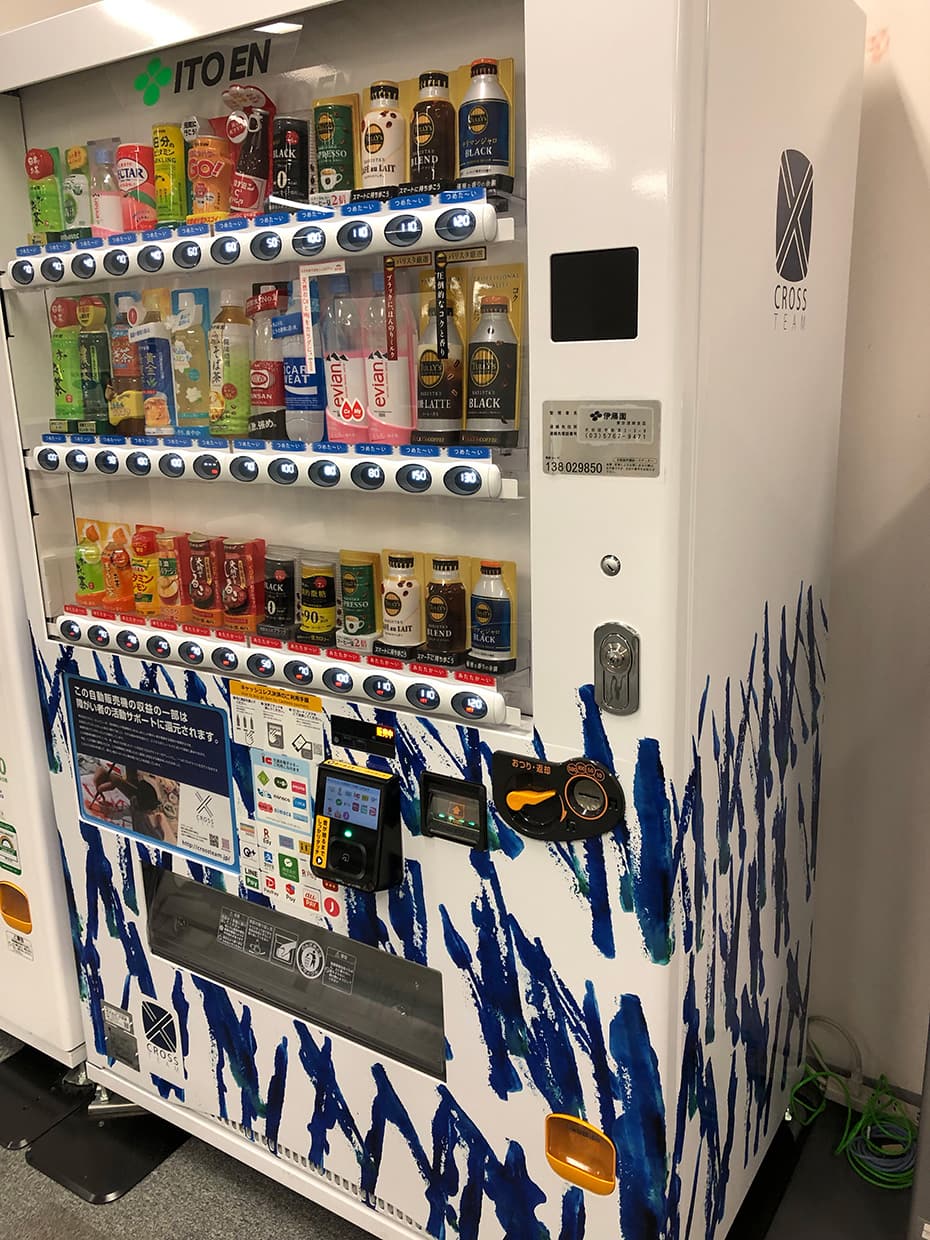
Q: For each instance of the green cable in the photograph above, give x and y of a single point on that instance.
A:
(881, 1146)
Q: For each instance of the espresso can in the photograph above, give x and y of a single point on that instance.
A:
(290, 169)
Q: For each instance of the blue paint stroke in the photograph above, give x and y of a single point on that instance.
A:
(651, 861)
(596, 744)
(127, 873)
(206, 875)
(166, 1089)
(51, 684)
(364, 924)
(195, 689)
(101, 891)
(235, 1046)
(330, 1109)
(119, 675)
(276, 1089)
(639, 1130)
(573, 1215)
(407, 912)
(240, 756)
(99, 668)
(182, 1011)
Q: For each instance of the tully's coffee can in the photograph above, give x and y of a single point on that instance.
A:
(290, 173)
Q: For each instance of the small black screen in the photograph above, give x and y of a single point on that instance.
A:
(595, 295)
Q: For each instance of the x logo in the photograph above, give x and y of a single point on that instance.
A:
(794, 215)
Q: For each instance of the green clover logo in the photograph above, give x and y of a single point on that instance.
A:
(150, 82)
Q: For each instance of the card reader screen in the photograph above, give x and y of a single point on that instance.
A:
(346, 801)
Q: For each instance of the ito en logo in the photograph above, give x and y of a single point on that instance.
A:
(794, 215)
(152, 80)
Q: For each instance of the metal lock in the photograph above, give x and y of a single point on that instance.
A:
(616, 668)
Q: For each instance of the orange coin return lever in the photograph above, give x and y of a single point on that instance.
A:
(581, 1153)
(519, 798)
(14, 908)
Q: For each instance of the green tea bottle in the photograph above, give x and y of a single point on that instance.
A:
(66, 358)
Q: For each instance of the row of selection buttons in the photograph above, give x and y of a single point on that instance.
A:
(366, 474)
(376, 686)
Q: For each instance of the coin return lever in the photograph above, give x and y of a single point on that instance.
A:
(357, 832)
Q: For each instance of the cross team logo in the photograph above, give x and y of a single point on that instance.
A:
(794, 215)
(159, 1027)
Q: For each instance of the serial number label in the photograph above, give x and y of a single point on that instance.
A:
(608, 438)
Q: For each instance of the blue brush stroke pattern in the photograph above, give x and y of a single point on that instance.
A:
(51, 686)
(166, 1089)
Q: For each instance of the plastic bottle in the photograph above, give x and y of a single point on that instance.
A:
(401, 593)
(491, 614)
(484, 123)
(432, 131)
(440, 384)
(189, 362)
(491, 409)
(76, 189)
(106, 201)
(230, 350)
(303, 394)
(94, 353)
(88, 560)
(43, 168)
(154, 341)
(266, 372)
(66, 358)
(253, 168)
(384, 138)
(117, 572)
(126, 408)
(145, 572)
(346, 412)
(390, 405)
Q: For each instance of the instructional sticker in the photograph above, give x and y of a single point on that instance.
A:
(19, 944)
(602, 439)
(281, 785)
(9, 849)
(268, 718)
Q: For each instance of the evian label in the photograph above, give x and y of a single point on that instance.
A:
(345, 385)
(390, 410)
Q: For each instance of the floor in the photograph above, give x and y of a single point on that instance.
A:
(199, 1192)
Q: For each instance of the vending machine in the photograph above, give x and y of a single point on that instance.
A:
(39, 1002)
(427, 440)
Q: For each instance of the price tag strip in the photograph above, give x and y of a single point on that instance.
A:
(602, 438)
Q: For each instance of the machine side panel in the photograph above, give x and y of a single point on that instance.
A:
(782, 129)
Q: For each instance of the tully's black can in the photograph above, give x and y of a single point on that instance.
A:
(290, 171)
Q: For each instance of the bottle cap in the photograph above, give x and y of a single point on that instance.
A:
(384, 90)
(403, 559)
(484, 65)
(339, 285)
(495, 303)
(63, 312)
(186, 301)
(123, 302)
(434, 312)
(229, 297)
(102, 155)
(273, 552)
(377, 282)
(491, 568)
(144, 542)
(434, 77)
(445, 565)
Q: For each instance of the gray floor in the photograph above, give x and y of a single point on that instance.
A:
(201, 1194)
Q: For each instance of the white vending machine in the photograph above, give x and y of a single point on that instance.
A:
(39, 1002)
(427, 437)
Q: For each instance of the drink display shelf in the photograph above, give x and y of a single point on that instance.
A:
(462, 472)
(420, 688)
(413, 223)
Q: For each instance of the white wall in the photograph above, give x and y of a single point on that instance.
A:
(872, 930)
(16, 13)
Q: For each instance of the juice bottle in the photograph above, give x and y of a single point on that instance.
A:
(94, 354)
(117, 572)
(145, 572)
(88, 560)
(346, 395)
(189, 362)
(66, 358)
(125, 397)
(230, 351)
(154, 341)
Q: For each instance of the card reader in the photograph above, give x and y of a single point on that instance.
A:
(357, 830)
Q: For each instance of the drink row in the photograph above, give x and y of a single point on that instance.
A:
(450, 610)
(209, 169)
(385, 373)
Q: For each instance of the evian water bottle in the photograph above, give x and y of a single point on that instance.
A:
(390, 408)
(346, 411)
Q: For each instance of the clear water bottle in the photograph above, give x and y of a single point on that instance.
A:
(346, 395)
(390, 405)
(303, 395)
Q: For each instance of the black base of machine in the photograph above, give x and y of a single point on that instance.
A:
(100, 1159)
(34, 1097)
(761, 1203)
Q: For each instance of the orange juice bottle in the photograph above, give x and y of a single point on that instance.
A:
(117, 572)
